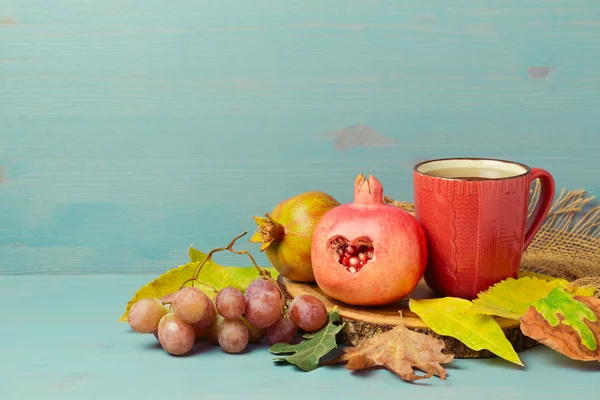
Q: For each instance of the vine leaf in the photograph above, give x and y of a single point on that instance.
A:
(212, 274)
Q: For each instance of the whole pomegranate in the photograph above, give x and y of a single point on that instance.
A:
(286, 233)
(367, 252)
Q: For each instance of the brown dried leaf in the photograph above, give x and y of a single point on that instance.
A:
(399, 350)
(563, 338)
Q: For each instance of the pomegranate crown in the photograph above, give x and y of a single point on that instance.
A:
(367, 191)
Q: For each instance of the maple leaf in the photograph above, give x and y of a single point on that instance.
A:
(567, 324)
(399, 350)
(306, 354)
(446, 317)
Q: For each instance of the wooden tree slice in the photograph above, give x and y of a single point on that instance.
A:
(364, 322)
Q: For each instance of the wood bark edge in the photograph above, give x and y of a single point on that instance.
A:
(354, 331)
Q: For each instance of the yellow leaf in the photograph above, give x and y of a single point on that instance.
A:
(167, 283)
(560, 282)
(511, 298)
(211, 273)
(445, 317)
(549, 278)
(196, 255)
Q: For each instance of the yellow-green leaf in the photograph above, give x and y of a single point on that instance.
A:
(167, 283)
(511, 298)
(211, 274)
(239, 277)
(242, 276)
(549, 278)
(560, 282)
(196, 255)
(446, 317)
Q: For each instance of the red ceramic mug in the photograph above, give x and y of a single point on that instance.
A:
(474, 214)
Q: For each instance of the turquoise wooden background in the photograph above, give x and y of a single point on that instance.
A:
(131, 129)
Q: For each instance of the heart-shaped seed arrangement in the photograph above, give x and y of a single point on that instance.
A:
(352, 255)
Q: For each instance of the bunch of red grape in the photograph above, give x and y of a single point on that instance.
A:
(232, 321)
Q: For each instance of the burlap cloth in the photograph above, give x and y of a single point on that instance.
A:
(568, 243)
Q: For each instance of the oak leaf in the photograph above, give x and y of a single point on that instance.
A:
(399, 350)
(307, 354)
(567, 324)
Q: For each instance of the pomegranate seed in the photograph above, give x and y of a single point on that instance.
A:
(353, 257)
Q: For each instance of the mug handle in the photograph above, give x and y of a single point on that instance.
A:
(544, 203)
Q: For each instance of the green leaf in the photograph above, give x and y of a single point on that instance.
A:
(308, 352)
(559, 301)
(446, 317)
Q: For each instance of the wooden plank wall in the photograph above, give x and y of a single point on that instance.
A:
(131, 129)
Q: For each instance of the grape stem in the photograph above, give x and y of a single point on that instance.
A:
(194, 278)
(214, 289)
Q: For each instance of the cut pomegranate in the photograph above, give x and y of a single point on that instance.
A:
(393, 271)
(352, 257)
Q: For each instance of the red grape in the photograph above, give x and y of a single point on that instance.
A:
(282, 331)
(264, 303)
(258, 285)
(145, 314)
(230, 302)
(191, 304)
(308, 312)
(255, 334)
(175, 336)
(213, 331)
(202, 327)
(233, 335)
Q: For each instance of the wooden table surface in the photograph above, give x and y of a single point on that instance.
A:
(131, 129)
(60, 340)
